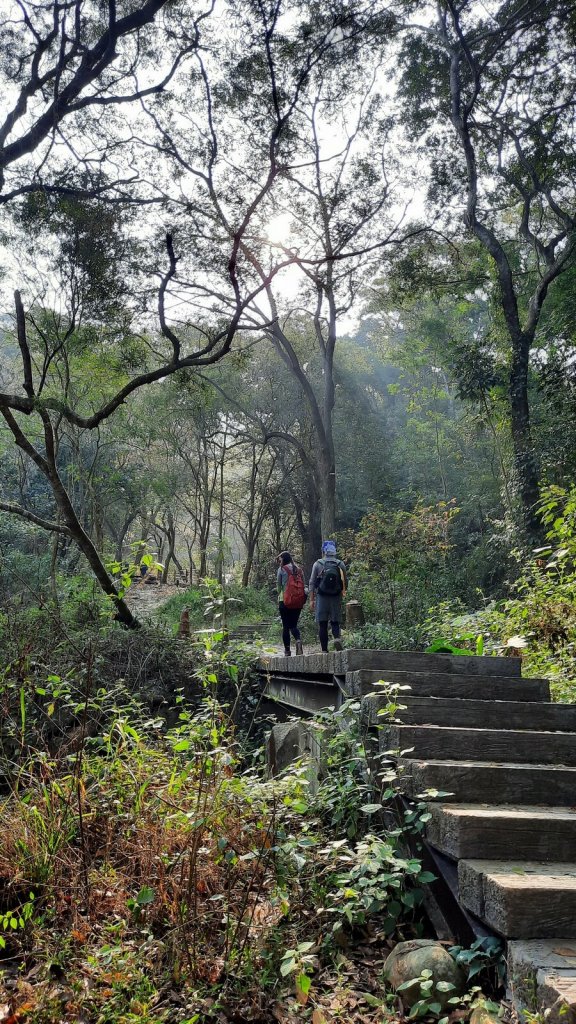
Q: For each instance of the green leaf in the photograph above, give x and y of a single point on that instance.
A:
(145, 896)
(303, 983)
(182, 745)
(426, 876)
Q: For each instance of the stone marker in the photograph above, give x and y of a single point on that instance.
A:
(354, 615)
(289, 741)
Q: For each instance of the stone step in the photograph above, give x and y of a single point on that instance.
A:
(500, 832)
(474, 714)
(501, 783)
(414, 661)
(542, 973)
(452, 684)
(403, 661)
(439, 742)
(520, 899)
(250, 628)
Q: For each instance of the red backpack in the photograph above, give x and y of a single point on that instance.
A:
(294, 594)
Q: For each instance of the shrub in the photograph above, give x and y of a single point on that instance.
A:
(538, 620)
(243, 604)
(381, 636)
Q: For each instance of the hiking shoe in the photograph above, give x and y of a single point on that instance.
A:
(287, 652)
(337, 645)
(299, 648)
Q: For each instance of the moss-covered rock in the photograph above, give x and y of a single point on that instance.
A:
(408, 960)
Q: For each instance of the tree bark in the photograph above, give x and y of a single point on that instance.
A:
(526, 468)
(47, 466)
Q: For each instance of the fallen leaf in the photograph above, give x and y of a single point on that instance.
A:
(318, 1017)
(565, 951)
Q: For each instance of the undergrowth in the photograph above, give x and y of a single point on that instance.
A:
(151, 871)
(149, 874)
(536, 621)
(210, 604)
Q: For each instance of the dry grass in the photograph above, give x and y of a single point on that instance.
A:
(131, 849)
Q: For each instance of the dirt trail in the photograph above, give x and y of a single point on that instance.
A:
(144, 599)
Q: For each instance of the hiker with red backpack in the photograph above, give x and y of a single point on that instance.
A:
(291, 600)
(327, 587)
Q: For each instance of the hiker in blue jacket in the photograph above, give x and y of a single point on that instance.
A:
(327, 587)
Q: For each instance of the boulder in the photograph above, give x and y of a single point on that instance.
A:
(407, 961)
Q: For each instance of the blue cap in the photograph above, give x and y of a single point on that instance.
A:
(328, 547)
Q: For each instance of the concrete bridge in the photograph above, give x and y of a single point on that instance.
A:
(502, 841)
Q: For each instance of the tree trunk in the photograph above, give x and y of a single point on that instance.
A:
(48, 468)
(310, 533)
(327, 496)
(251, 546)
(123, 613)
(121, 537)
(170, 531)
(525, 465)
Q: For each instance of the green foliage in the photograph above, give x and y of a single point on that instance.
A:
(191, 598)
(12, 920)
(375, 879)
(300, 963)
(208, 603)
(399, 561)
(382, 636)
(485, 957)
(538, 621)
(431, 995)
(345, 787)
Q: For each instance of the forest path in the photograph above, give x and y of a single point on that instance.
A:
(144, 599)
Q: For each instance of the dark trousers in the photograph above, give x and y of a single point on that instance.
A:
(289, 618)
(323, 631)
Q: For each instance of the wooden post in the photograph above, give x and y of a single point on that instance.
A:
(184, 627)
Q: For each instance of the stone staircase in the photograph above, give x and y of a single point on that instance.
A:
(249, 631)
(503, 833)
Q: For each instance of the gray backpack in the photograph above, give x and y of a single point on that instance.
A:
(330, 584)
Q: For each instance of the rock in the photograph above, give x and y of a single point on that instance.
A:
(407, 961)
(287, 742)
